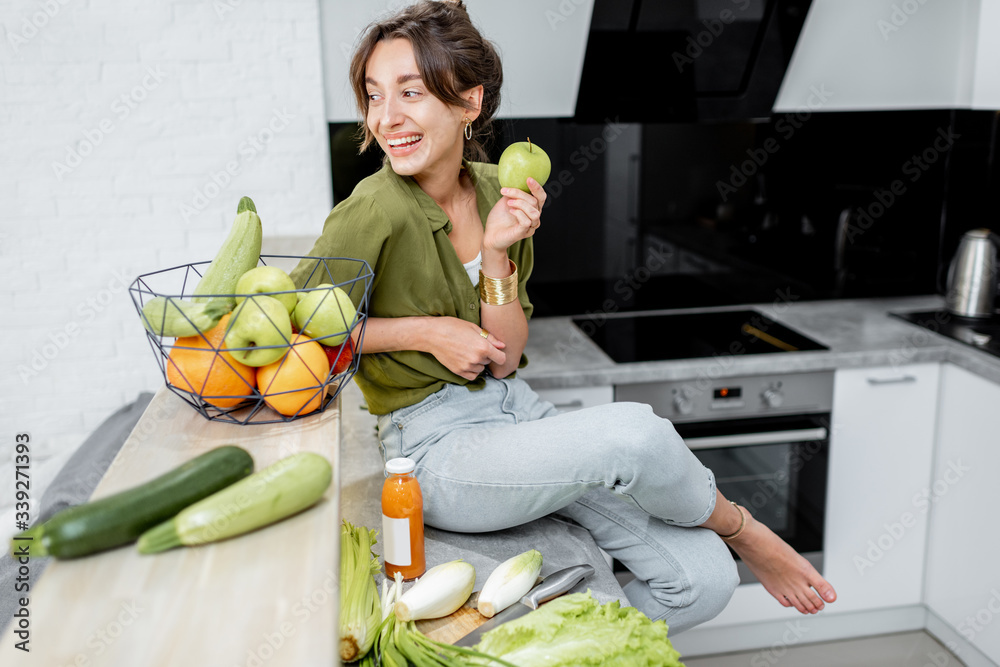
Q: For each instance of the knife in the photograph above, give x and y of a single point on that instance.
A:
(552, 586)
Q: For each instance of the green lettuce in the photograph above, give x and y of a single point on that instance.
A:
(575, 630)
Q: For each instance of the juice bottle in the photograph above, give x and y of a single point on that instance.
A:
(402, 521)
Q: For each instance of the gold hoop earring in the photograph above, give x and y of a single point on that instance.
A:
(468, 129)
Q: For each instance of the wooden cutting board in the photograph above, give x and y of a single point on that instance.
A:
(453, 627)
(268, 598)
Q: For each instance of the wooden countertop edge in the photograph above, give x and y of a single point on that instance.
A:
(209, 607)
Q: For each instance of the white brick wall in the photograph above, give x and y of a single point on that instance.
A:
(115, 117)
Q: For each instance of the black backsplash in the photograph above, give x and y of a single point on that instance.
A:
(750, 212)
(798, 207)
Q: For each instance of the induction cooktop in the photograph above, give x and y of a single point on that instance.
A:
(657, 337)
(982, 334)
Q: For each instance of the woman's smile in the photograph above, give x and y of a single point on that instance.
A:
(403, 144)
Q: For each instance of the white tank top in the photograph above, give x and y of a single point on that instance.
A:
(472, 268)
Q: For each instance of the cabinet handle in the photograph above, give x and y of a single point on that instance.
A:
(571, 404)
(767, 438)
(902, 379)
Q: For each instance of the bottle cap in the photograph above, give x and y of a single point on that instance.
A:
(399, 466)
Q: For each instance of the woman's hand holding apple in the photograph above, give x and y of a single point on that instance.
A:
(515, 217)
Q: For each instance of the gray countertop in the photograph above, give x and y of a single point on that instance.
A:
(561, 543)
(859, 333)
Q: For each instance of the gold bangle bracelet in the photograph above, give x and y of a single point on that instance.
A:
(743, 523)
(498, 291)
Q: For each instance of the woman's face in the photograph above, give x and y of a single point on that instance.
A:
(421, 134)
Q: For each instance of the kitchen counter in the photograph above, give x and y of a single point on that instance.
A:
(267, 597)
(859, 333)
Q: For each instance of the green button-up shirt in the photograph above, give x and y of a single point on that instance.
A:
(402, 233)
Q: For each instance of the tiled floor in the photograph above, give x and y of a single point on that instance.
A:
(905, 649)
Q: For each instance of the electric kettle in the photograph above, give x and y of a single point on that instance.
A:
(972, 277)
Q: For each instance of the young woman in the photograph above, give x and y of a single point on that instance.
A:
(451, 254)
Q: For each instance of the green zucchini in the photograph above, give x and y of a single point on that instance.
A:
(122, 517)
(238, 254)
(274, 493)
(172, 317)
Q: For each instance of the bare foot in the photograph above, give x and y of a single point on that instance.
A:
(785, 574)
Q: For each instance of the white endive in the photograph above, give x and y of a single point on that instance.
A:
(509, 582)
(442, 590)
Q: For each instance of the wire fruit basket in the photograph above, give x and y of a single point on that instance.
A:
(308, 368)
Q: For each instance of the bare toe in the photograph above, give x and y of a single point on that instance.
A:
(785, 574)
(805, 605)
(812, 602)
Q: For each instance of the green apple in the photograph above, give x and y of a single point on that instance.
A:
(259, 331)
(521, 160)
(326, 315)
(267, 280)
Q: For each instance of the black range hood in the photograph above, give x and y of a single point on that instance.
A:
(681, 61)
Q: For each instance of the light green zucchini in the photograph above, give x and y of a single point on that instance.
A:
(239, 253)
(274, 493)
(174, 317)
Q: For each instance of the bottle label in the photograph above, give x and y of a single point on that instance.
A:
(396, 541)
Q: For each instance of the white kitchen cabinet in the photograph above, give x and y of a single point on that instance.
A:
(962, 578)
(881, 448)
(894, 54)
(577, 398)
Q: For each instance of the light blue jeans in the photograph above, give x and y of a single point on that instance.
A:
(502, 456)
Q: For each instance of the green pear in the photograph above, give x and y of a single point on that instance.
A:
(259, 331)
(326, 314)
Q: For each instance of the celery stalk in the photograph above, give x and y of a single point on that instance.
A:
(360, 606)
(400, 644)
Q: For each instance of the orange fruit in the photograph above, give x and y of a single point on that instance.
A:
(293, 385)
(200, 367)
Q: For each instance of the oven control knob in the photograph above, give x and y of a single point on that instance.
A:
(682, 403)
(773, 398)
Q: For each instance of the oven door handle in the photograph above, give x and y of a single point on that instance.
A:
(766, 438)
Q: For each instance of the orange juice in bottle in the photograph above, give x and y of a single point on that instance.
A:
(402, 520)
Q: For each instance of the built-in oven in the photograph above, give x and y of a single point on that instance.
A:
(766, 439)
